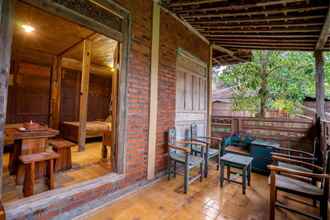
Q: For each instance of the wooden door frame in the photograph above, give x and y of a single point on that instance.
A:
(111, 8)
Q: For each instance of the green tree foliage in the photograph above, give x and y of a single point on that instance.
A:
(274, 80)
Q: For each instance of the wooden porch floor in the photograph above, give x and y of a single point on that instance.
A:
(206, 200)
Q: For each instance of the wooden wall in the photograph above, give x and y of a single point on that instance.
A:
(29, 94)
(99, 96)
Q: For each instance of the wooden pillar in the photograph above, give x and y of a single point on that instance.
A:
(319, 80)
(114, 98)
(153, 92)
(55, 100)
(209, 92)
(84, 86)
(6, 34)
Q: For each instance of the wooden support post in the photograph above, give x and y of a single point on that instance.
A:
(55, 100)
(209, 92)
(84, 86)
(114, 98)
(153, 91)
(319, 80)
(7, 8)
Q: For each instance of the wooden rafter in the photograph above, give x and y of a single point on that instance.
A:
(262, 12)
(274, 24)
(325, 32)
(236, 7)
(255, 20)
(227, 51)
(190, 3)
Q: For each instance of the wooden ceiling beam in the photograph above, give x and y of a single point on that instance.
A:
(76, 44)
(254, 13)
(227, 51)
(255, 26)
(250, 20)
(304, 30)
(271, 47)
(191, 3)
(236, 7)
(325, 32)
(74, 64)
(267, 43)
(293, 36)
(233, 40)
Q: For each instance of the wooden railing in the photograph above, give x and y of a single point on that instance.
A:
(293, 133)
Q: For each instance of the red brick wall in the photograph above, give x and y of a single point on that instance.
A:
(173, 35)
(138, 89)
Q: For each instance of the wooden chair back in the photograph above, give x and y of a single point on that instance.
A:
(193, 131)
(171, 139)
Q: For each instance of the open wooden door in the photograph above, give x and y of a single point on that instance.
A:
(191, 94)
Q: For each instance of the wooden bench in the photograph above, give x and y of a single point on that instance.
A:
(29, 162)
(63, 148)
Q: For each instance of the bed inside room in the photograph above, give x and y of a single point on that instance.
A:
(46, 92)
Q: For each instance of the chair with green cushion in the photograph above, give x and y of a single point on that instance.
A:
(209, 151)
(180, 152)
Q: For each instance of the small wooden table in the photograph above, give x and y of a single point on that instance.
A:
(239, 162)
(27, 142)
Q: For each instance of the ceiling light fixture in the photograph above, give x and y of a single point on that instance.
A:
(28, 28)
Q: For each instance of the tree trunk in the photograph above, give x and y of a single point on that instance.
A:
(263, 93)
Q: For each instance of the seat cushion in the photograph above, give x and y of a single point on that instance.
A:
(294, 167)
(180, 157)
(289, 183)
(211, 153)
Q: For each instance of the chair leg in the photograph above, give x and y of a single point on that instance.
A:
(174, 172)
(228, 173)
(186, 178)
(222, 173)
(272, 198)
(324, 209)
(169, 169)
(206, 166)
(218, 162)
(201, 172)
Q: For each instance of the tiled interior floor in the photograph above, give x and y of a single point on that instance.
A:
(206, 200)
(86, 165)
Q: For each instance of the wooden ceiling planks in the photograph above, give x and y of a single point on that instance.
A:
(55, 36)
(272, 24)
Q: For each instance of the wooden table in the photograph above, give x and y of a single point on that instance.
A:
(239, 162)
(27, 142)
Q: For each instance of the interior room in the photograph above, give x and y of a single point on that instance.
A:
(51, 61)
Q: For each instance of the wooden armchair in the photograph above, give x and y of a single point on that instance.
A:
(210, 152)
(294, 182)
(295, 155)
(180, 152)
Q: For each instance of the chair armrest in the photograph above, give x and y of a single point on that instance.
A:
(297, 162)
(277, 169)
(212, 138)
(194, 142)
(311, 159)
(200, 141)
(181, 148)
(294, 151)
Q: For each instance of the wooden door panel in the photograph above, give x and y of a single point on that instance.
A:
(190, 94)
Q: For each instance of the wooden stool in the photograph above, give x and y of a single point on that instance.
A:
(236, 161)
(29, 162)
(63, 148)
